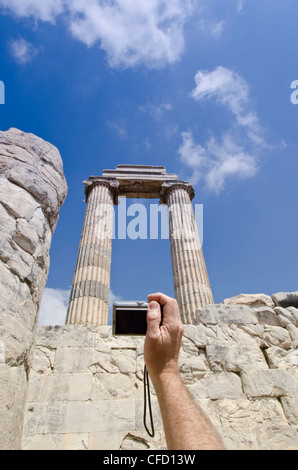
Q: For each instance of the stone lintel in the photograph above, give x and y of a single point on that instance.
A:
(126, 171)
(133, 181)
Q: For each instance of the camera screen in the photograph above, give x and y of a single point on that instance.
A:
(130, 322)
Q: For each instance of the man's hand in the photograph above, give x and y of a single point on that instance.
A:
(163, 340)
(186, 426)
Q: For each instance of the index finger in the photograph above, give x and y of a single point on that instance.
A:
(166, 301)
(162, 299)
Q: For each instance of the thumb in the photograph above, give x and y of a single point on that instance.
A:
(153, 318)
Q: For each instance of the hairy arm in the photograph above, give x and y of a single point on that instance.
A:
(186, 426)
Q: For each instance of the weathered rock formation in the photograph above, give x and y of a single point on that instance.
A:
(240, 362)
(32, 190)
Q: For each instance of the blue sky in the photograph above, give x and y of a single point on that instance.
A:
(202, 87)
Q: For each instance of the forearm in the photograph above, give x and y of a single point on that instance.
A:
(186, 426)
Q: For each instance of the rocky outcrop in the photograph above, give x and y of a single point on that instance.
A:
(32, 190)
(239, 362)
(286, 299)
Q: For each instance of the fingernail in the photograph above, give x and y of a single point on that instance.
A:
(153, 305)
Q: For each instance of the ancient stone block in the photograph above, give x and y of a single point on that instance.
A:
(59, 387)
(267, 316)
(294, 312)
(276, 336)
(281, 358)
(64, 335)
(269, 383)
(252, 300)
(226, 314)
(222, 385)
(255, 424)
(74, 359)
(13, 381)
(285, 317)
(290, 407)
(234, 358)
(196, 334)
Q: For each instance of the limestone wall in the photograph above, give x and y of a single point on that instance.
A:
(240, 364)
(32, 190)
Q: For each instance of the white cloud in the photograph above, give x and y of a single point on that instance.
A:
(157, 110)
(118, 127)
(194, 156)
(217, 161)
(22, 51)
(53, 307)
(132, 33)
(170, 131)
(211, 28)
(225, 86)
(112, 298)
(147, 144)
(239, 4)
(45, 10)
(230, 90)
(146, 32)
(235, 153)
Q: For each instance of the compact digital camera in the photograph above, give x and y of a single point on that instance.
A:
(130, 318)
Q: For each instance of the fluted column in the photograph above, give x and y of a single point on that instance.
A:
(89, 299)
(191, 281)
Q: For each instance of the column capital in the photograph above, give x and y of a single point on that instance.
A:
(169, 186)
(111, 183)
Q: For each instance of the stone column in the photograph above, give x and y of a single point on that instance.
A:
(89, 299)
(191, 282)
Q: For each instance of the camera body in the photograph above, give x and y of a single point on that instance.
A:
(130, 318)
